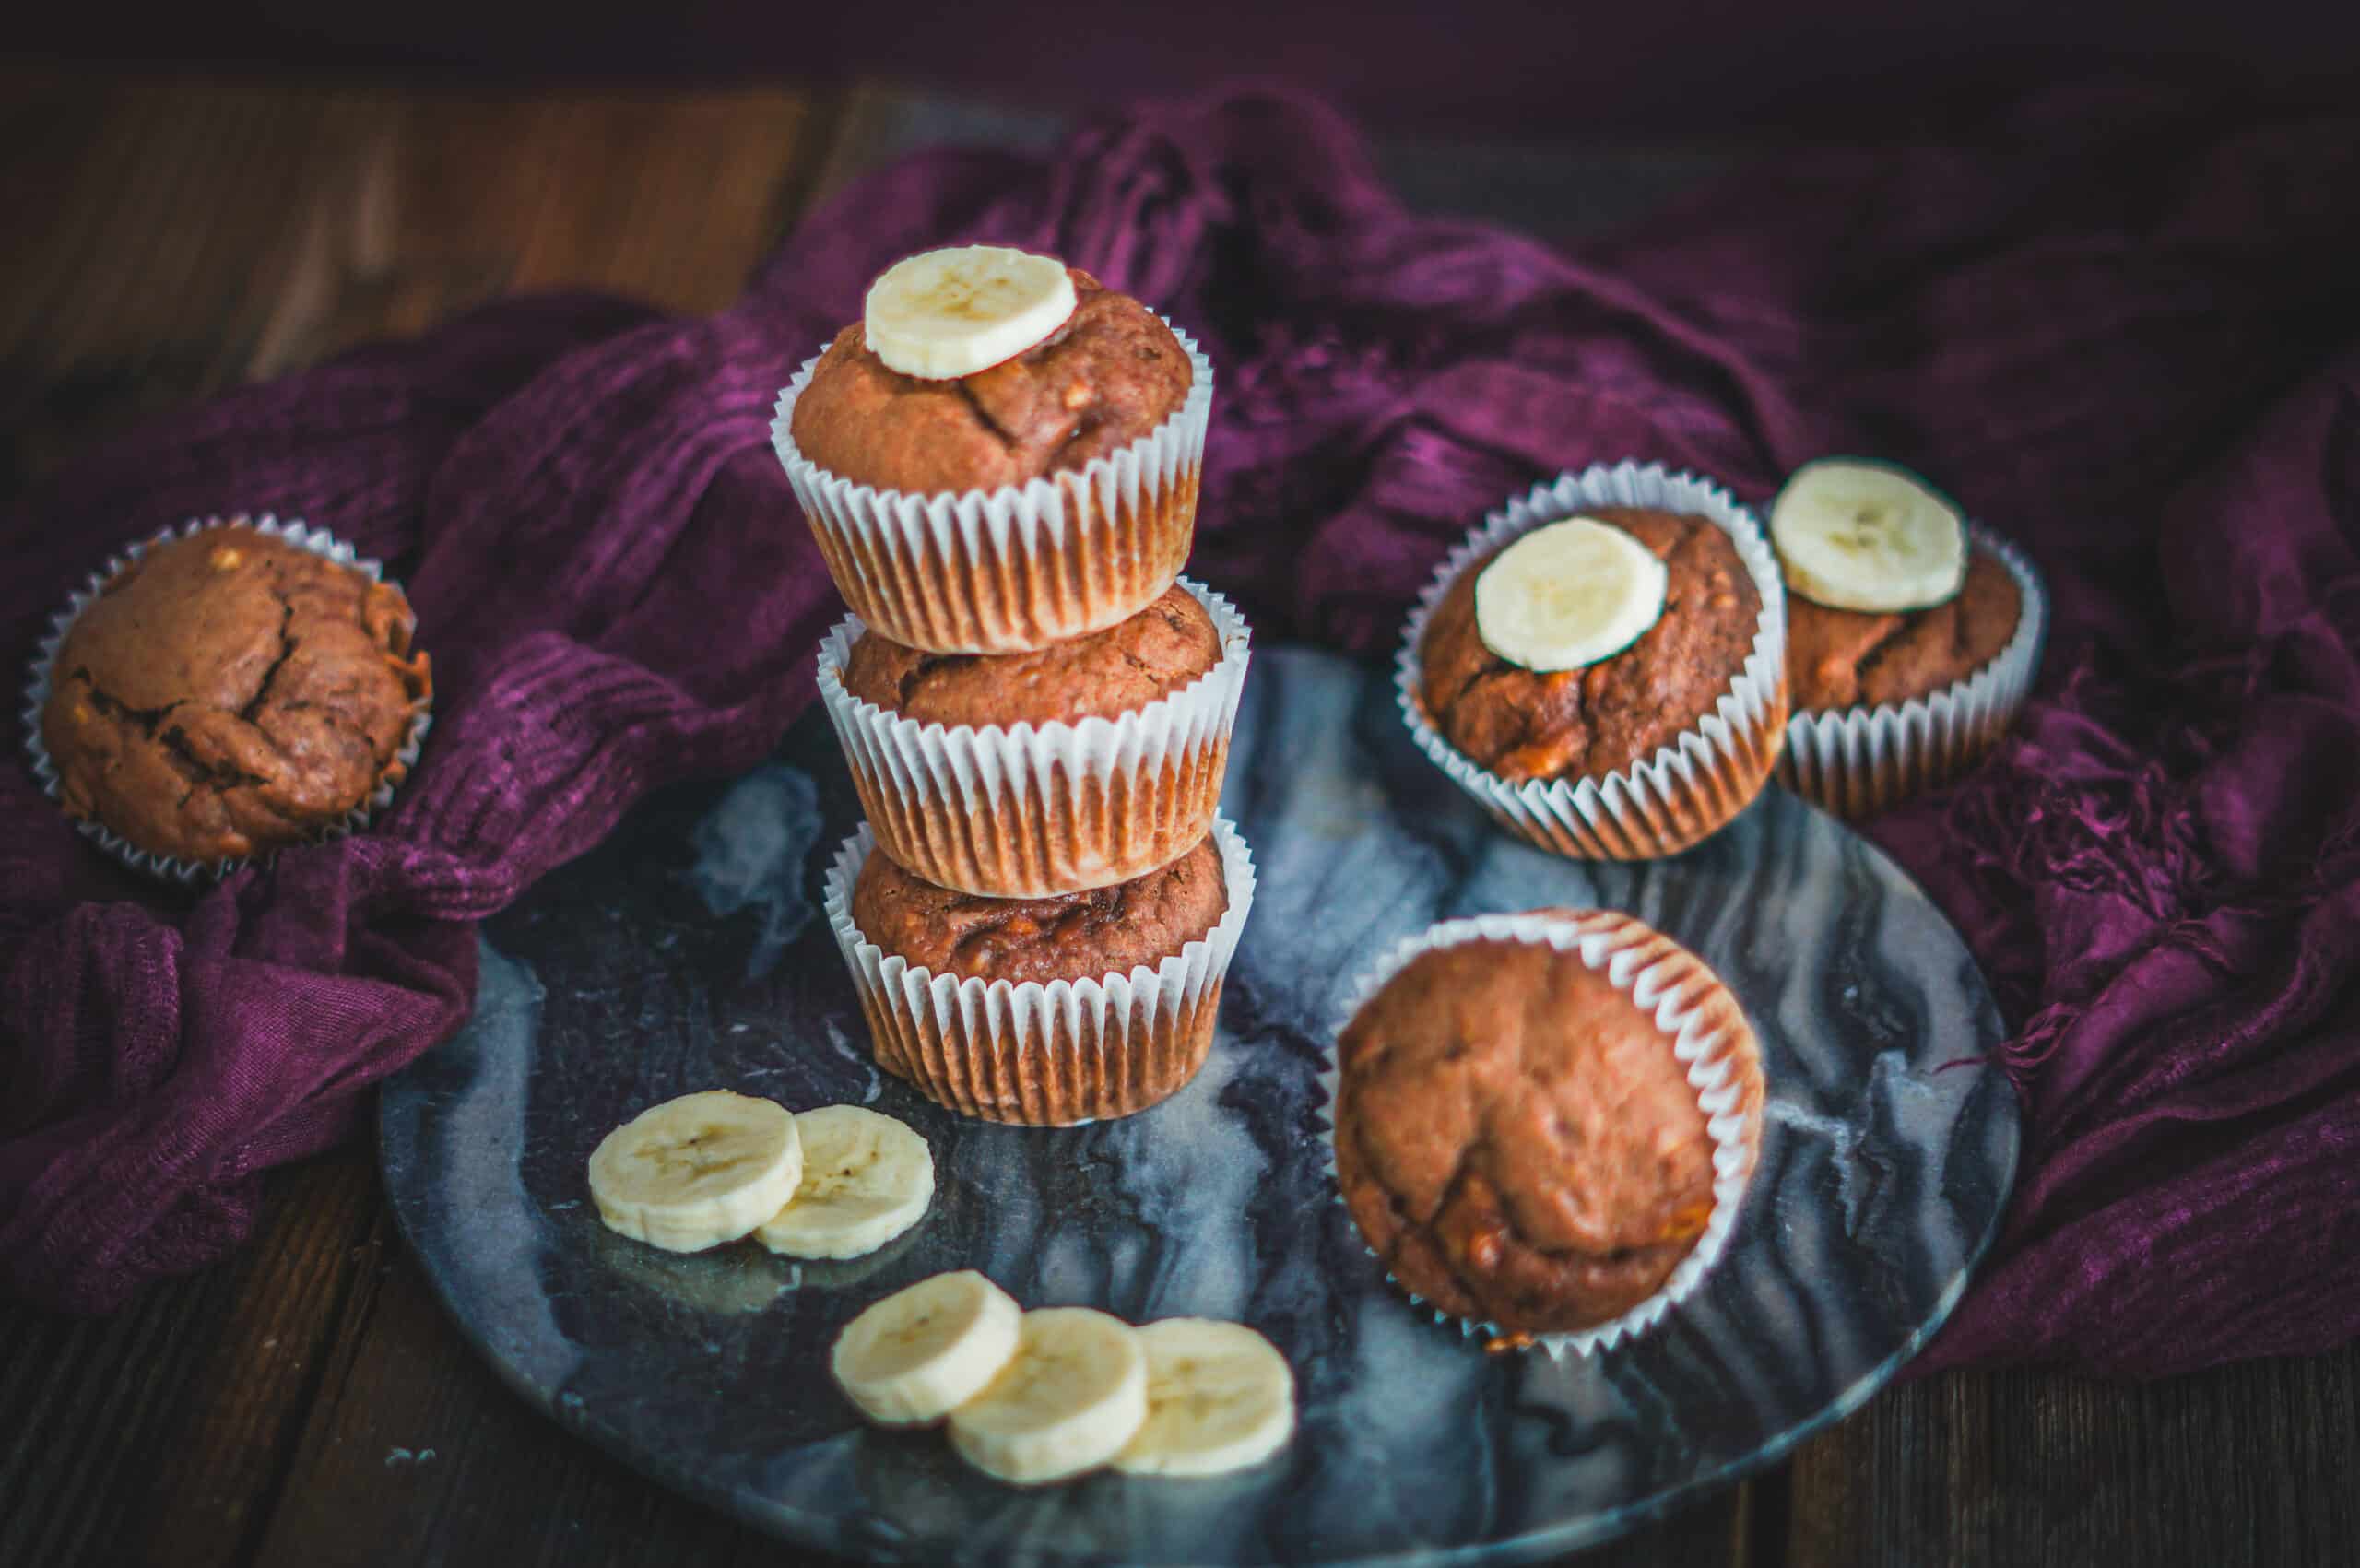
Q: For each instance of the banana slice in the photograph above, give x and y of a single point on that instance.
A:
(1074, 1394)
(696, 1172)
(942, 314)
(922, 1351)
(1218, 1398)
(1863, 537)
(1568, 595)
(866, 1178)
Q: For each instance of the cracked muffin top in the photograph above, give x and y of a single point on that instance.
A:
(1111, 374)
(1071, 937)
(229, 693)
(1143, 659)
(1840, 658)
(1515, 1138)
(1577, 724)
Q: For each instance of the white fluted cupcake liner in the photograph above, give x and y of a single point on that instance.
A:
(1029, 810)
(294, 531)
(1855, 761)
(1058, 1055)
(1658, 804)
(1703, 1027)
(1002, 571)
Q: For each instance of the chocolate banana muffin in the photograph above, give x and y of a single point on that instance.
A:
(1110, 375)
(1523, 724)
(1165, 647)
(1071, 937)
(1839, 659)
(229, 693)
(1515, 1137)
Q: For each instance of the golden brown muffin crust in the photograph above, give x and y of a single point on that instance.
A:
(229, 693)
(1838, 658)
(1586, 723)
(1165, 647)
(1110, 375)
(1071, 937)
(1517, 1141)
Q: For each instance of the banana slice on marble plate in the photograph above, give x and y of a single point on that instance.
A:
(924, 1351)
(1219, 1398)
(866, 1178)
(1070, 1400)
(697, 1172)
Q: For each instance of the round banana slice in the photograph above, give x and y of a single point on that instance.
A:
(942, 314)
(1218, 1398)
(1864, 536)
(696, 1172)
(922, 1351)
(866, 1178)
(1070, 1400)
(1568, 595)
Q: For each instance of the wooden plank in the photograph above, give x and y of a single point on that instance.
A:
(186, 1401)
(505, 1484)
(416, 1453)
(2258, 1462)
(193, 234)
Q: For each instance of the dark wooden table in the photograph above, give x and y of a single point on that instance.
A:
(306, 1403)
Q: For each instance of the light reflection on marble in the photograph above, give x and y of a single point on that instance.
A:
(626, 979)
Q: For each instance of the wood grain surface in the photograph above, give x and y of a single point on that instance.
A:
(306, 1403)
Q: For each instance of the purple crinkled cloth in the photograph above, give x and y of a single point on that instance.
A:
(2123, 334)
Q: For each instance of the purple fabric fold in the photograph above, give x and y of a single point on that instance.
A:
(2117, 333)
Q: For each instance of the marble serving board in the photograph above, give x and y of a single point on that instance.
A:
(687, 953)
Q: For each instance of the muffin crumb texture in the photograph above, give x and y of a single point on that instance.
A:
(1111, 374)
(1135, 662)
(1517, 1142)
(1577, 724)
(1071, 937)
(229, 693)
(1840, 658)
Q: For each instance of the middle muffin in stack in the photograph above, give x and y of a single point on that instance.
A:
(1000, 462)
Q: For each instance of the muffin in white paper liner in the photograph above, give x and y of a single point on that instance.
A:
(1658, 805)
(1020, 566)
(1025, 810)
(1854, 761)
(1055, 1054)
(294, 531)
(1681, 990)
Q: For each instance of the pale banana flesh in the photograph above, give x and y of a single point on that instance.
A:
(1219, 1398)
(1864, 536)
(866, 1178)
(946, 313)
(923, 1352)
(697, 1172)
(1567, 595)
(1072, 1398)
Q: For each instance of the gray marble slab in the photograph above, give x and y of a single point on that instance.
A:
(685, 954)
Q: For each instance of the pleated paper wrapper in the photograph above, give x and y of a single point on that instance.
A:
(1855, 761)
(1019, 567)
(1030, 810)
(1660, 805)
(1054, 1055)
(1681, 992)
(36, 689)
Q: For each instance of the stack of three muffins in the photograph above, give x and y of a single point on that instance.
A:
(1000, 462)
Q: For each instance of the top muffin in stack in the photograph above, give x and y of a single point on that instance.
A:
(1000, 460)
(973, 497)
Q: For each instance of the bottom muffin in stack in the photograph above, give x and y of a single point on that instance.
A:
(1046, 1011)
